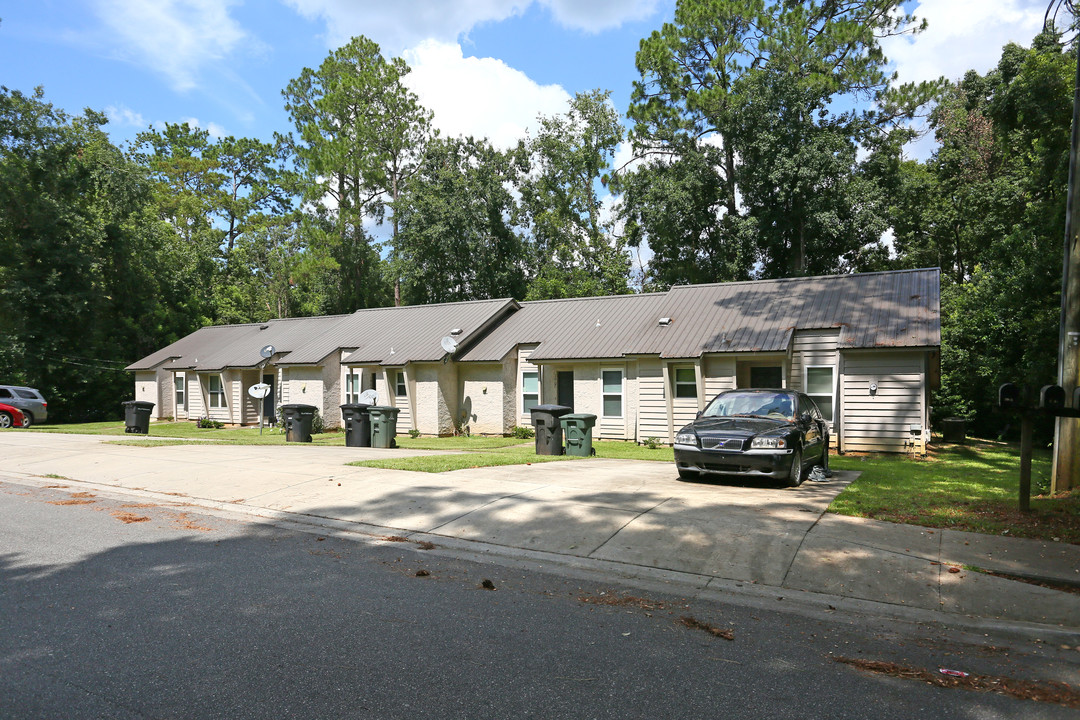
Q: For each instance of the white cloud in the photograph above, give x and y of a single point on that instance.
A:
(176, 38)
(124, 116)
(215, 131)
(963, 35)
(483, 97)
(400, 25)
(597, 15)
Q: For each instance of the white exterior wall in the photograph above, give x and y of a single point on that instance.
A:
(881, 421)
(816, 348)
(303, 385)
(483, 398)
(719, 376)
(153, 386)
(652, 401)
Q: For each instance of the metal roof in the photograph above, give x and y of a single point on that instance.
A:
(241, 350)
(871, 310)
(399, 335)
(201, 342)
(571, 328)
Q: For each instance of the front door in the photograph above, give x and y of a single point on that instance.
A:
(268, 401)
(566, 387)
(767, 377)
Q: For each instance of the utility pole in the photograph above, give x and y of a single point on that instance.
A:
(1066, 472)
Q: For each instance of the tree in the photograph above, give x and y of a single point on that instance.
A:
(576, 252)
(762, 82)
(90, 277)
(457, 238)
(361, 133)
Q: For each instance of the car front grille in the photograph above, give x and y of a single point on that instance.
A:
(729, 444)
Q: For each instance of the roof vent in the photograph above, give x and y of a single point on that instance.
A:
(665, 321)
(456, 331)
(597, 322)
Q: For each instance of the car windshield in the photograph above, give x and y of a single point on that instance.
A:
(752, 404)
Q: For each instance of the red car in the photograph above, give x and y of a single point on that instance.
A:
(10, 417)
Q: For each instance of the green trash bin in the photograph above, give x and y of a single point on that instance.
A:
(577, 428)
(383, 426)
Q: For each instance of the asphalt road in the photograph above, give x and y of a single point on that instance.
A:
(112, 609)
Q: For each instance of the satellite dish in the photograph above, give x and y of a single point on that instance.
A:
(267, 351)
(449, 344)
(259, 391)
(368, 397)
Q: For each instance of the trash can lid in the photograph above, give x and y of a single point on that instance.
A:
(299, 407)
(359, 407)
(555, 410)
(579, 416)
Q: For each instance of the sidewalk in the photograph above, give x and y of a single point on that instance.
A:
(628, 514)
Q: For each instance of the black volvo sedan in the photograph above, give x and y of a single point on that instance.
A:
(779, 434)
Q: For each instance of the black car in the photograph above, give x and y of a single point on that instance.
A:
(778, 434)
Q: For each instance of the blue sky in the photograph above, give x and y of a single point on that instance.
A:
(485, 67)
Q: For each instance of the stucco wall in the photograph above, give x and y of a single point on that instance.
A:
(303, 385)
(482, 398)
(149, 387)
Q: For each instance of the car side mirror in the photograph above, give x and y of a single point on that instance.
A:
(698, 415)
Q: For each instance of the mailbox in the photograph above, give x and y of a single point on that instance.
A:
(1052, 397)
(1008, 396)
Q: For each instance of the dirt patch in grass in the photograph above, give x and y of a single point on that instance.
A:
(695, 624)
(72, 502)
(127, 517)
(1063, 587)
(1048, 692)
(1058, 522)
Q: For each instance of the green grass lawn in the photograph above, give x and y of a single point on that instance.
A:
(491, 451)
(973, 487)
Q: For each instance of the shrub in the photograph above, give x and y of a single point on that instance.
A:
(205, 422)
(414, 433)
(651, 443)
(523, 432)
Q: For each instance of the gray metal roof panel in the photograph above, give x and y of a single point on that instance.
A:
(203, 341)
(411, 333)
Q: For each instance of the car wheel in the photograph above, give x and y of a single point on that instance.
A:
(685, 474)
(796, 474)
(5, 420)
(27, 419)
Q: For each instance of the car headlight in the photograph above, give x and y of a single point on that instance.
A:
(769, 443)
(686, 438)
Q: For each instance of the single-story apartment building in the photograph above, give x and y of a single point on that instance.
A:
(864, 346)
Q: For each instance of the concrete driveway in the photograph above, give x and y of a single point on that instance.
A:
(629, 514)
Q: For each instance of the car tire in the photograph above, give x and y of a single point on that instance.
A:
(796, 474)
(685, 474)
(27, 419)
(5, 420)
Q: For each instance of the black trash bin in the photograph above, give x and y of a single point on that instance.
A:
(137, 416)
(954, 430)
(298, 419)
(357, 420)
(545, 418)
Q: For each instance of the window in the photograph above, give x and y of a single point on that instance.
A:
(399, 384)
(530, 390)
(217, 392)
(819, 386)
(612, 381)
(352, 386)
(180, 383)
(685, 383)
(767, 377)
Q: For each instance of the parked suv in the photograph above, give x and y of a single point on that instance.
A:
(33, 406)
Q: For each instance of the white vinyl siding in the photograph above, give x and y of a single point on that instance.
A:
(881, 420)
(652, 406)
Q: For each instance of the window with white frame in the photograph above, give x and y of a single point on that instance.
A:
(820, 386)
(399, 384)
(180, 383)
(612, 381)
(685, 382)
(352, 386)
(217, 392)
(530, 389)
